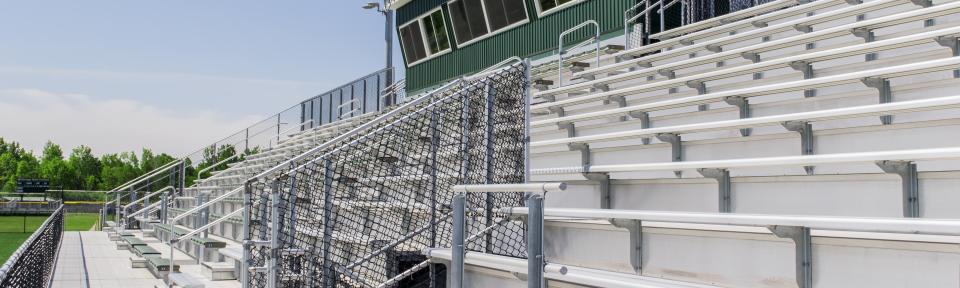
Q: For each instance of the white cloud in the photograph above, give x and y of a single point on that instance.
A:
(32, 117)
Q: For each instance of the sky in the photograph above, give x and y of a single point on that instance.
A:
(172, 75)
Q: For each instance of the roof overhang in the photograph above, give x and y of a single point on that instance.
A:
(395, 4)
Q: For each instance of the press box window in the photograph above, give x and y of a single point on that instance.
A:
(425, 37)
(473, 19)
(548, 5)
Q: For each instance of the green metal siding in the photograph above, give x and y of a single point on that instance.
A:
(538, 36)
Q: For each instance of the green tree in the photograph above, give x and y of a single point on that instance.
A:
(85, 166)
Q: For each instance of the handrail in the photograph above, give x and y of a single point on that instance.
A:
(215, 166)
(125, 207)
(205, 205)
(560, 50)
(147, 209)
(175, 240)
(205, 227)
(371, 123)
(351, 133)
(492, 68)
(148, 175)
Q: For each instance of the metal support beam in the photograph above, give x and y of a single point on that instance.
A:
(570, 127)
(635, 227)
(743, 105)
(804, 251)
(724, 188)
(807, 69)
(535, 259)
(457, 245)
(753, 58)
(886, 95)
(701, 89)
(621, 102)
(247, 239)
(644, 123)
(911, 185)
(806, 138)
(670, 74)
(585, 157)
(868, 36)
(273, 266)
(676, 148)
(954, 44)
(606, 200)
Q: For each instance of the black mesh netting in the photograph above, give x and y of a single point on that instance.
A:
(32, 265)
(363, 212)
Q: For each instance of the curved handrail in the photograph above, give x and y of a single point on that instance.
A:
(560, 50)
(214, 166)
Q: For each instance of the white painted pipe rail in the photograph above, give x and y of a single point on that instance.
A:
(806, 160)
(799, 85)
(938, 103)
(207, 226)
(560, 48)
(818, 56)
(860, 224)
(148, 208)
(524, 187)
(205, 204)
(215, 166)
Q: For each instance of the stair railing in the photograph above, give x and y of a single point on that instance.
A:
(560, 51)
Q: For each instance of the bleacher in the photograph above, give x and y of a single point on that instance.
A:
(793, 147)
(793, 144)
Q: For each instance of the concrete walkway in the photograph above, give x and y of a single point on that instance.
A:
(98, 262)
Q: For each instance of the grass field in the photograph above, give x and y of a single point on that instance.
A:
(16, 229)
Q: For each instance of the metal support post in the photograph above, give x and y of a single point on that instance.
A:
(272, 265)
(644, 123)
(701, 89)
(670, 74)
(954, 44)
(804, 251)
(754, 58)
(807, 69)
(676, 148)
(164, 210)
(911, 185)
(328, 270)
(489, 164)
(886, 95)
(535, 260)
(724, 190)
(743, 104)
(635, 227)
(603, 179)
(456, 270)
(585, 155)
(868, 36)
(806, 138)
(247, 247)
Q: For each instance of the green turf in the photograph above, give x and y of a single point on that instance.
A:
(80, 221)
(20, 224)
(9, 242)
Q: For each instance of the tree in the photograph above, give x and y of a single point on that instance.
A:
(85, 166)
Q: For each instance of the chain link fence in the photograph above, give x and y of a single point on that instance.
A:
(33, 263)
(363, 212)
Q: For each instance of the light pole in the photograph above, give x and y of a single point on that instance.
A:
(388, 37)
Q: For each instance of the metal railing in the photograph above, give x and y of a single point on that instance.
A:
(560, 50)
(33, 263)
(364, 185)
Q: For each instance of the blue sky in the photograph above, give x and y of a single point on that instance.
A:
(210, 66)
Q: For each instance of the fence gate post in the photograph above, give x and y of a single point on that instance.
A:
(535, 242)
(456, 271)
